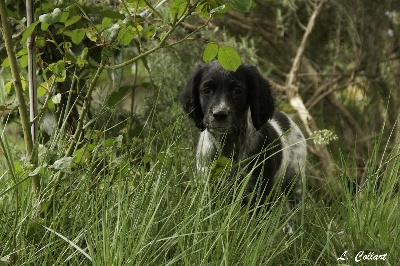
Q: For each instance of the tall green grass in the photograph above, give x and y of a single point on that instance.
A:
(144, 203)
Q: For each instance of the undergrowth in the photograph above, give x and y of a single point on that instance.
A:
(141, 201)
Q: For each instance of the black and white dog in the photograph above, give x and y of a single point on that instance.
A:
(237, 116)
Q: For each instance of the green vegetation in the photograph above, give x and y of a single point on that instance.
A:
(117, 208)
(110, 178)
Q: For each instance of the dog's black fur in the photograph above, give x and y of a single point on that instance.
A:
(236, 113)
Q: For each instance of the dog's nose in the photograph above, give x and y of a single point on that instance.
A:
(220, 115)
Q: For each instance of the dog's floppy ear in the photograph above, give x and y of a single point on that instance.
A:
(262, 104)
(190, 96)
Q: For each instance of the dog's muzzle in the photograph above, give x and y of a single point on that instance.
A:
(219, 122)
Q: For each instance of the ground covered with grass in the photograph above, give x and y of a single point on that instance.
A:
(141, 202)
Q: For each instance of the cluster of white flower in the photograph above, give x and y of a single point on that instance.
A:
(323, 137)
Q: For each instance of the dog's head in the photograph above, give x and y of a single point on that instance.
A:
(219, 100)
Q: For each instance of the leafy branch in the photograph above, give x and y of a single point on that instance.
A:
(22, 108)
(161, 43)
(115, 30)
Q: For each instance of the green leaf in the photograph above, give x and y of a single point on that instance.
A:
(117, 96)
(210, 52)
(127, 38)
(84, 52)
(22, 52)
(113, 142)
(51, 18)
(44, 26)
(78, 35)
(137, 29)
(8, 87)
(241, 5)
(81, 61)
(5, 63)
(42, 89)
(125, 35)
(108, 143)
(139, 3)
(23, 61)
(219, 166)
(106, 22)
(64, 16)
(40, 41)
(229, 58)
(178, 7)
(59, 70)
(66, 45)
(28, 32)
(50, 105)
(146, 158)
(108, 13)
(23, 82)
(23, 57)
(92, 35)
(72, 20)
(149, 31)
(82, 155)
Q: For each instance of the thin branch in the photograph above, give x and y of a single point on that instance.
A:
(78, 131)
(33, 100)
(44, 107)
(22, 108)
(300, 50)
(153, 9)
(85, 108)
(322, 92)
(161, 44)
(291, 88)
(297, 103)
(297, 17)
(8, 161)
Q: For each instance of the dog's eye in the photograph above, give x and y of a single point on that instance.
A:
(237, 91)
(207, 90)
